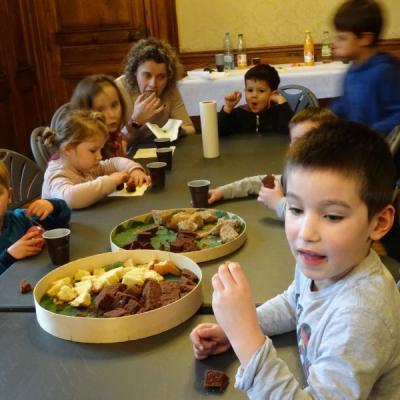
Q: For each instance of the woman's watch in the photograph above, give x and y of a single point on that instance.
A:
(134, 124)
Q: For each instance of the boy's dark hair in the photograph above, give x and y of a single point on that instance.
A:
(359, 16)
(264, 72)
(353, 150)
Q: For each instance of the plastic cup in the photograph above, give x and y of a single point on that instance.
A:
(219, 62)
(199, 192)
(164, 154)
(157, 173)
(162, 142)
(57, 241)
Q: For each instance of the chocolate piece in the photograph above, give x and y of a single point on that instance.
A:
(130, 187)
(25, 286)
(215, 380)
(104, 301)
(268, 181)
(186, 273)
(151, 294)
(135, 291)
(118, 312)
(132, 306)
(120, 186)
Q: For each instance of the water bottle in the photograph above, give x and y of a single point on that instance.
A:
(241, 58)
(326, 48)
(228, 53)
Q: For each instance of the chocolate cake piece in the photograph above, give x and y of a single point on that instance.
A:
(104, 301)
(135, 291)
(186, 286)
(186, 273)
(215, 380)
(151, 294)
(268, 181)
(176, 246)
(132, 306)
(170, 292)
(120, 186)
(130, 187)
(118, 312)
(25, 286)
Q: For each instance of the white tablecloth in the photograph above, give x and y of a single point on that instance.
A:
(324, 80)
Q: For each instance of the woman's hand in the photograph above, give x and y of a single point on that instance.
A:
(138, 177)
(270, 197)
(146, 107)
(208, 339)
(215, 195)
(231, 99)
(41, 208)
(235, 311)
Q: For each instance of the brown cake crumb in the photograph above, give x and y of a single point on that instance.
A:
(215, 380)
(269, 181)
(130, 187)
(25, 286)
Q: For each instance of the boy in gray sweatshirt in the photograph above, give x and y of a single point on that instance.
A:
(343, 302)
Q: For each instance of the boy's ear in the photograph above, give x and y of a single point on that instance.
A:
(382, 222)
(367, 38)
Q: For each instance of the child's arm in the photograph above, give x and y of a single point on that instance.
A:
(242, 188)
(227, 115)
(52, 213)
(28, 245)
(271, 197)
(231, 100)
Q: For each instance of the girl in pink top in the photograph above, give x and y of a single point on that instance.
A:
(100, 93)
(79, 175)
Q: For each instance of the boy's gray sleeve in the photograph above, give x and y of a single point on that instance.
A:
(278, 315)
(281, 208)
(243, 187)
(352, 352)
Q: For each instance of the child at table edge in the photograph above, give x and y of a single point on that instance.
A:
(265, 109)
(371, 86)
(80, 176)
(15, 242)
(343, 302)
(300, 124)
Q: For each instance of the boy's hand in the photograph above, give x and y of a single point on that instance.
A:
(26, 246)
(235, 311)
(276, 98)
(231, 99)
(270, 197)
(41, 208)
(138, 177)
(146, 106)
(120, 177)
(208, 339)
(215, 195)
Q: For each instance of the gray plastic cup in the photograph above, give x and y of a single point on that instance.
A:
(199, 192)
(164, 154)
(219, 62)
(157, 173)
(162, 142)
(57, 241)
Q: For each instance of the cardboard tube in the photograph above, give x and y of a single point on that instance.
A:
(209, 128)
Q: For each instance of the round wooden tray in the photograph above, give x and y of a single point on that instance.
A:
(120, 329)
(199, 255)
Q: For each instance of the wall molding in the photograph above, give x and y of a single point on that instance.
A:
(273, 55)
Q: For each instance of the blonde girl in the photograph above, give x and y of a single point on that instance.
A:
(100, 93)
(79, 176)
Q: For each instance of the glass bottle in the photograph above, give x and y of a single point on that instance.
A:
(228, 53)
(308, 49)
(241, 57)
(326, 48)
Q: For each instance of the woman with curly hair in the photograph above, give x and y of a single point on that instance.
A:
(149, 89)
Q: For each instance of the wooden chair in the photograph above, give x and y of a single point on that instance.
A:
(41, 153)
(26, 177)
(298, 97)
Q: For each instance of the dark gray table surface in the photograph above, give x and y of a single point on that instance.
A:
(36, 365)
(265, 257)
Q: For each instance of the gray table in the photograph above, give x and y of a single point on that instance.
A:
(265, 257)
(36, 365)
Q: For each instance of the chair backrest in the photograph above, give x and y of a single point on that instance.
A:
(25, 176)
(393, 139)
(58, 115)
(298, 97)
(41, 153)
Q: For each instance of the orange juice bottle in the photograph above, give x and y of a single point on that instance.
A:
(308, 49)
